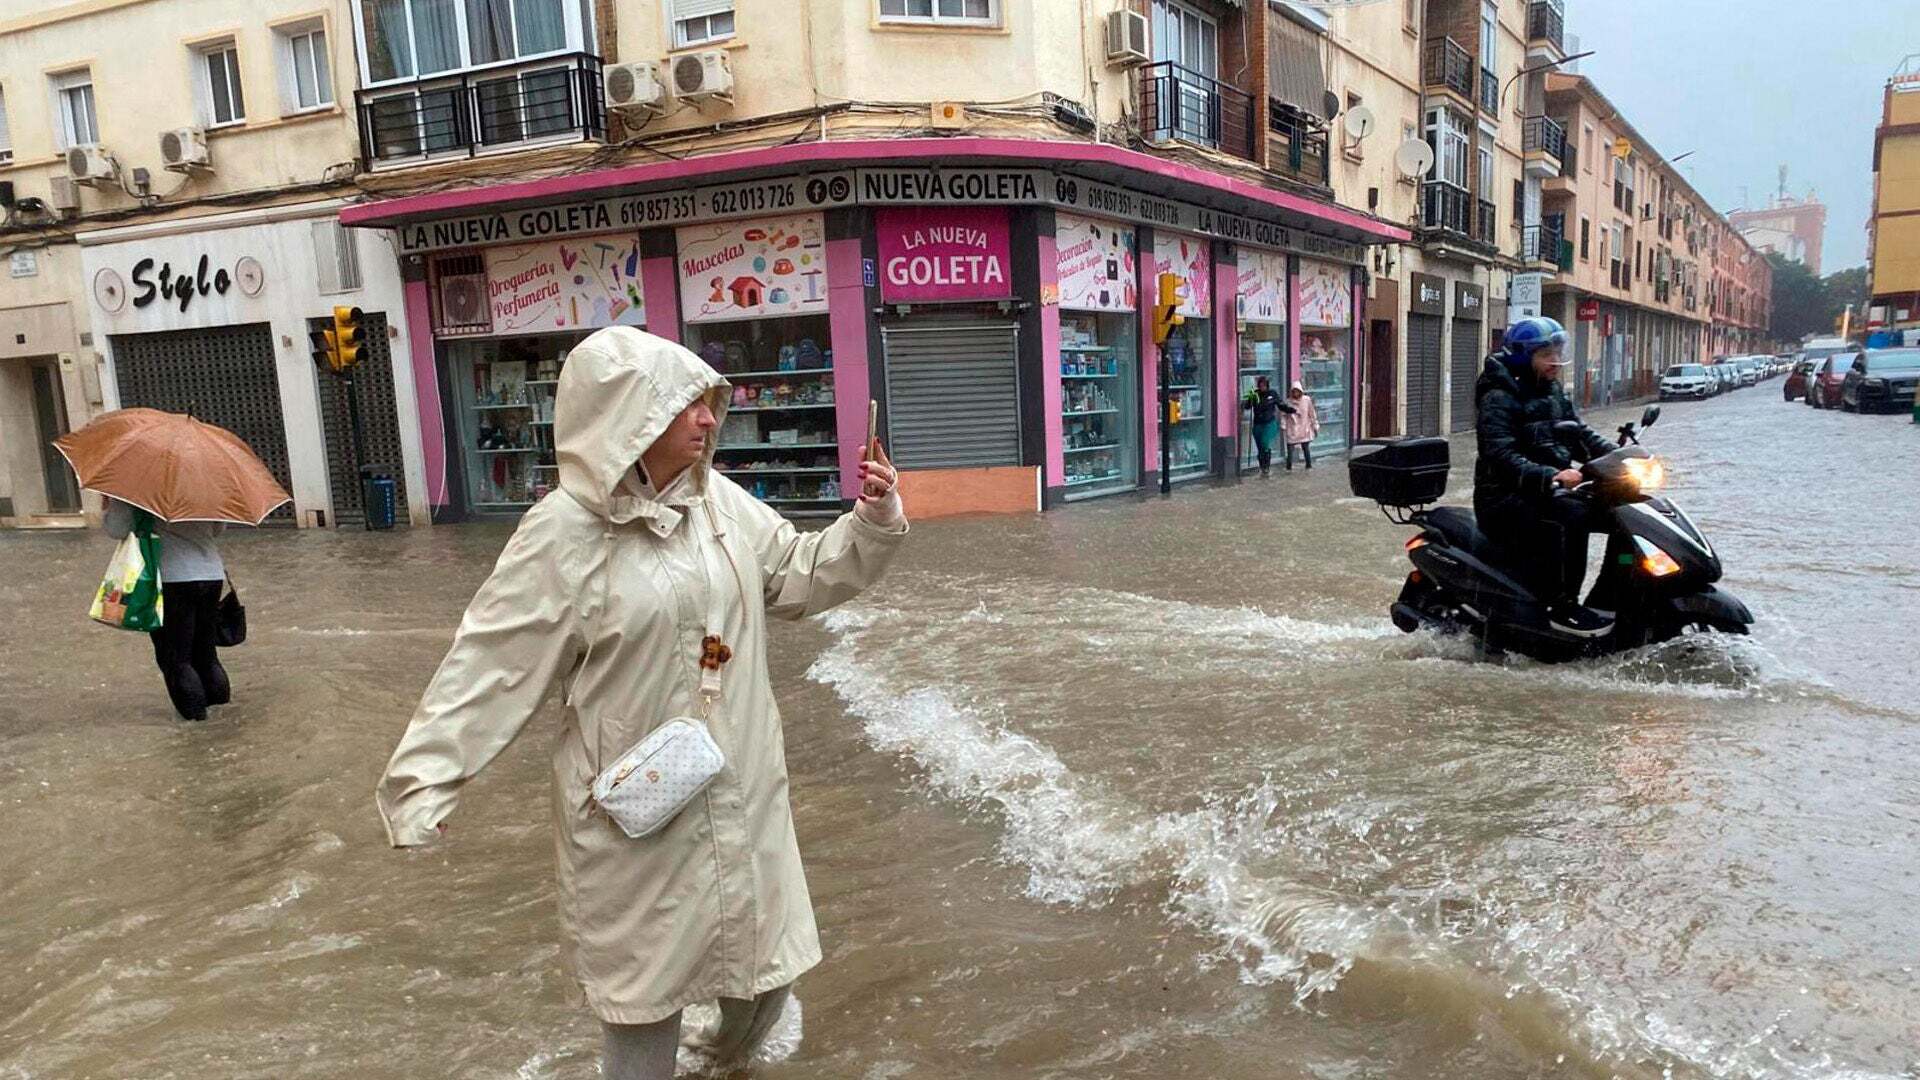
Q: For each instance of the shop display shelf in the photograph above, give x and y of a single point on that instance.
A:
(539, 423)
(513, 405)
(776, 374)
(784, 501)
(1093, 412)
(545, 468)
(1191, 419)
(1064, 375)
(724, 447)
(1183, 386)
(775, 408)
(497, 505)
(1091, 449)
(781, 472)
(541, 382)
(515, 450)
(1084, 480)
(1086, 348)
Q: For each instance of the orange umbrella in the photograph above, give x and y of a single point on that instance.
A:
(173, 466)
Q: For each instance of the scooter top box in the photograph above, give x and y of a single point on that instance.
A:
(1405, 472)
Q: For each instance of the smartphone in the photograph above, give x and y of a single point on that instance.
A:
(873, 428)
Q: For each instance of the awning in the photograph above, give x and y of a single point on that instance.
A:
(1295, 75)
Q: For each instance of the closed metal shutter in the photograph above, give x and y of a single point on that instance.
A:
(224, 375)
(953, 396)
(1423, 374)
(379, 421)
(1467, 356)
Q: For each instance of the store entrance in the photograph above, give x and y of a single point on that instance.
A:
(953, 395)
(50, 416)
(1466, 372)
(1189, 359)
(1381, 361)
(1099, 402)
(1423, 374)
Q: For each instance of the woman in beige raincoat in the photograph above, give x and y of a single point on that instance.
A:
(606, 589)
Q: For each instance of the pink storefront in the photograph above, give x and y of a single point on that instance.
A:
(989, 294)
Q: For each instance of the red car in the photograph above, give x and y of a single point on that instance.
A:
(1796, 384)
(1823, 385)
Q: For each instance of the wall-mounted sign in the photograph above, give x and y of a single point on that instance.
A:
(1263, 286)
(23, 263)
(567, 284)
(1096, 263)
(1191, 257)
(1092, 196)
(763, 268)
(178, 286)
(943, 253)
(1523, 296)
(1429, 295)
(1326, 294)
(1588, 311)
(1469, 301)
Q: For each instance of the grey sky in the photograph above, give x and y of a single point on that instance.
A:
(1749, 85)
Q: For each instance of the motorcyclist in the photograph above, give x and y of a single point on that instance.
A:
(1525, 473)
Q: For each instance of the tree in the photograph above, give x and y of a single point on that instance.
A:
(1848, 287)
(1799, 301)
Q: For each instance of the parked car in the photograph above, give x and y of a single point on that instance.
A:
(1717, 378)
(1881, 379)
(1784, 362)
(1795, 387)
(1749, 369)
(1686, 381)
(1823, 386)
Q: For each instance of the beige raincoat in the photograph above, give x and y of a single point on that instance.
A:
(604, 590)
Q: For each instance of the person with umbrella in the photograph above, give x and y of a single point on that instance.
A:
(184, 481)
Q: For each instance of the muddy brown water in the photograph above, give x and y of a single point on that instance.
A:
(1137, 789)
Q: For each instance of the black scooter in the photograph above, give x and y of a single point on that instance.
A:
(1657, 581)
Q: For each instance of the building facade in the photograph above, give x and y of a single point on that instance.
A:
(1893, 235)
(1794, 227)
(171, 176)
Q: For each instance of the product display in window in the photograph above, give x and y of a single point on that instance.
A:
(780, 440)
(1263, 352)
(1324, 373)
(503, 427)
(1190, 380)
(1098, 403)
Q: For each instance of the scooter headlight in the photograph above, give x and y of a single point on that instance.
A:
(1647, 473)
(1654, 561)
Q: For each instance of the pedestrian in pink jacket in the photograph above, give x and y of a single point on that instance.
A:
(1299, 426)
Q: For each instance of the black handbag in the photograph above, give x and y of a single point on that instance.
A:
(230, 628)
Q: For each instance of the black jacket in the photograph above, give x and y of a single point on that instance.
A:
(1267, 405)
(1519, 449)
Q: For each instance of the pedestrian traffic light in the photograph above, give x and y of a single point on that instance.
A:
(326, 352)
(347, 337)
(1166, 308)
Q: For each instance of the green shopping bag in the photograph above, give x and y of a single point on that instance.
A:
(129, 596)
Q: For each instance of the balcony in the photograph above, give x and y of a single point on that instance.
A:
(1543, 142)
(1546, 32)
(1489, 93)
(1543, 247)
(1179, 105)
(1447, 66)
(1296, 144)
(1446, 208)
(1485, 223)
(1564, 181)
(556, 99)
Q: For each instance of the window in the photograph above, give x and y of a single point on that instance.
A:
(220, 100)
(79, 126)
(966, 12)
(1519, 201)
(337, 256)
(1181, 35)
(1586, 234)
(407, 39)
(1447, 134)
(1486, 167)
(6, 139)
(1410, 15)
(1489, 36)
(696, 22)
(306, 77)
(1586, 149)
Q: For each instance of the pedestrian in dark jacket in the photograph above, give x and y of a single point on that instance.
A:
(1525, 470)
(1266, 405)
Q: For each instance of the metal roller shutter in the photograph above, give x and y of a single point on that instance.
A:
(379, 419)
(1466, 371)
(1423, 374)
(224, 375)
(953, 396)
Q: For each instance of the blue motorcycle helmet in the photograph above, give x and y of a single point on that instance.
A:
(1529, 335)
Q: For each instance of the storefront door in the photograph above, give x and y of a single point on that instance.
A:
(1469, 308)
(50, 415)
(953, 395)
(1423, 374)
(1188, 353)
(1262, 303)
(1325, 295)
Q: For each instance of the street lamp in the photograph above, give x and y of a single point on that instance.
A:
(1536, 69)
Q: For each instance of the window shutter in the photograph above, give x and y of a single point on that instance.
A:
(6, 140)
(694, 9)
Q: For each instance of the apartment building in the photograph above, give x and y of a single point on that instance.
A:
(1794, 227)
(171, 174)
(1893, 234)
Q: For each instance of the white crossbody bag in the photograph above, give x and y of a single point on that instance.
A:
(646, 788)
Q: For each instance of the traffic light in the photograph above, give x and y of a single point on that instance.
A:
(326, 352)
(347, 337)
(1166, 308)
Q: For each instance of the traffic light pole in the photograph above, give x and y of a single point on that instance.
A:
(1166, 422)
(359, 448)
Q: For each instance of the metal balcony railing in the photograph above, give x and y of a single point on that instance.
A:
(1296, 144)
(463, 114)
(1182, 104)
(1446, 207)
(1544, 133)
(1447, 64)
(1546, 22)
(1486, 223)
(1567, 154)
(1489, 92)
(1540, 243)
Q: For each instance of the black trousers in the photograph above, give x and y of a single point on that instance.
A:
(1306, 453)
(1547, 543)
(184, 648)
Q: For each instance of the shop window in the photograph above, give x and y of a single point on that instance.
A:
(79, 125)
(306, 74)
(1326, 348)
(6, 138)
(1261, 306)
(780, 440)
(697, 22)
(503, 390)
(1099, 355)
(964, 12)
(221, 100)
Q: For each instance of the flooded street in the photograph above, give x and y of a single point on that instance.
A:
(1142, 788)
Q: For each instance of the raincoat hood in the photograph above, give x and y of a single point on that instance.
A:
(619, 389)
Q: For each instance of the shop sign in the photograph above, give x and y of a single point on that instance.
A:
(1096, 264)
(1326, 294)
(965, 187)
(1523, 296)
(1469, 301)
(665, 208)
(179, 287)
(764, 268)
(1588, 311)
(1429, 295)
(1263, 286)
(1191, 257)
(1094, 197)
(943, 253)
(567, 284)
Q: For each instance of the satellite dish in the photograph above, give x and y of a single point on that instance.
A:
(1414, 159)
(1360, 122)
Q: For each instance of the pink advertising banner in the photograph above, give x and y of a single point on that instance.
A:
(1095, 264)
(734, 270)
(1326, 295)
(1262, 286)
(1192, 258)
(943, 253)
(566, 285)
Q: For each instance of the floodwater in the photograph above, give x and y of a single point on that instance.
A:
(1142, 788)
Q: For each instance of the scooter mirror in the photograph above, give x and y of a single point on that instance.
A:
(1647, 418)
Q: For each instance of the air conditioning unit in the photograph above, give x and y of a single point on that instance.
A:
(184, 149)
(1126, 38)
(64, 199)
(635, 88)
(702, 76)
(90, 164)
(463, 300)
